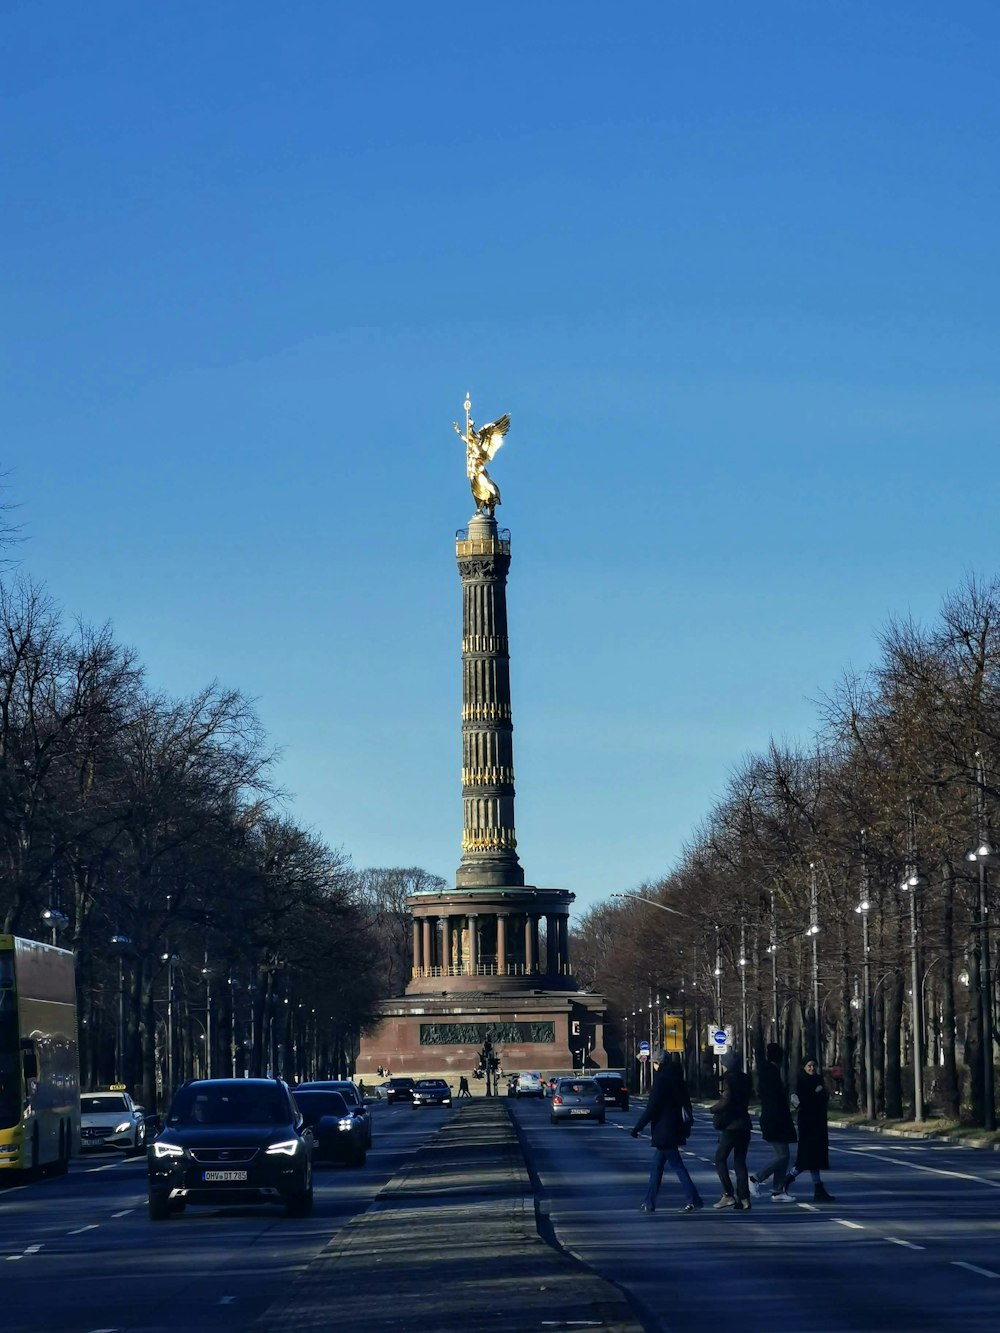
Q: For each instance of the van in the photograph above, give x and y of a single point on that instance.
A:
(530, 1085)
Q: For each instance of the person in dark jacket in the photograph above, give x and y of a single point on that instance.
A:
(731, 1117)
(814, 1139)
(777, 1128)
(669, 1116)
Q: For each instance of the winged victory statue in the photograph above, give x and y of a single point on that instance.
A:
(480, 446)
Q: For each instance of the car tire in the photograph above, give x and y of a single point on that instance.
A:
(600, 1120)
(159, 1206)
(553, 1120)
(139, 1147)
(625, 1104)
(359, 1158)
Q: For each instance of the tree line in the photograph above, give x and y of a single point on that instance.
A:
(147, 834)
(865, 831)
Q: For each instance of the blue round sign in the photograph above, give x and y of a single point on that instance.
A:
(644, 1046)
(720, 1037)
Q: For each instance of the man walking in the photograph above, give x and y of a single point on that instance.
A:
(776, 1127)
(463, 1087)
(731, 1117)
(669, 1115)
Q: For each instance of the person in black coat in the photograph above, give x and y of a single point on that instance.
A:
(777, 1128)
(731, 1117)
(814, 1138)
(670, 1117)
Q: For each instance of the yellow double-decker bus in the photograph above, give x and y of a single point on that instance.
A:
(39, 1061)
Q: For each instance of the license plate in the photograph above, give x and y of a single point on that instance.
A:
(580, 1112)
(223, 1175)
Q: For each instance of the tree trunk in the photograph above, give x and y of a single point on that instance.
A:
(950, 1098)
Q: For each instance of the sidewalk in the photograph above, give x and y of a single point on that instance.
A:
(450, 1242)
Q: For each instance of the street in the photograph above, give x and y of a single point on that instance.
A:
(911, 1243)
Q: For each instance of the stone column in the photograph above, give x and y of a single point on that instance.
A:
(489, 855)
(564, 946)
(529, 947)
(428, 950)
(415, 969)
(501, 944)
(473, 944)
(535, 942)
(445, 945)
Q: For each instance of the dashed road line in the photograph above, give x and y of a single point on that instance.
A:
(124, 1212)
(894, 1240)
(917, 1166)
(974, 1268)
(91, 1226)
(843, 1222)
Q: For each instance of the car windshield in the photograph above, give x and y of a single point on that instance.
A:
(401, 1082)
(431, 1083)
(231, 1104)
(315, 1105)
(113, 1102)
(582, 1087)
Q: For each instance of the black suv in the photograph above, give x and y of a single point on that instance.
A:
(231, 1141)
(614, 1089)
(399, 1090)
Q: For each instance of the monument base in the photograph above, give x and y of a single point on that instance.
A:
(441, 1036)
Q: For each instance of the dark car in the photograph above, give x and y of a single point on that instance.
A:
(399, 1090)
(338, 1134)
(431, 1092)
(351, 1095)
(231, 1141)
(614, 1089)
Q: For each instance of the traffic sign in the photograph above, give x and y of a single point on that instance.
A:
(644, 1046)
(720, 1039)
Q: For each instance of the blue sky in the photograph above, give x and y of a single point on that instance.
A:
(732, 269)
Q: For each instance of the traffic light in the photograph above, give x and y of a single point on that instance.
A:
(575, 1027)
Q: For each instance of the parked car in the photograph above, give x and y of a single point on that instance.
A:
(399, 1090)
(431, 1092)
(614, 1088)
(351, 1095)
(112, 1120)
(338, 1134)
(577, 1099)
(530, 1085)
(231, 1141)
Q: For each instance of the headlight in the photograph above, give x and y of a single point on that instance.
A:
(287, 1146)
(161, 1149)
(346, 1122)
(124, 1127)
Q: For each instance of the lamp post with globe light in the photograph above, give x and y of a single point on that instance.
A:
(983, 855)
(814, 931)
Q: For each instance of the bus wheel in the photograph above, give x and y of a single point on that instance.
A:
(61, 1165)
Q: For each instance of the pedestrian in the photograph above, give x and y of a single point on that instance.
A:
(731, 1117)
(361, 1088)
(777, 1128)
(814, 1136)
(463, 1086)
(670, 1117)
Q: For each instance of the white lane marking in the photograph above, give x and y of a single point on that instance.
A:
(894, 1240)
(983, 1272)
(32, 1249)
(843, 1222)
(12, 1257)
(91, 1226)
(810, 1206)
(124, 1213)
(227, 1300)
(110, 1167)
(931, 1170)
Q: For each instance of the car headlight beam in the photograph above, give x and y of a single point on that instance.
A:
(289, 1147)
(161, 1149)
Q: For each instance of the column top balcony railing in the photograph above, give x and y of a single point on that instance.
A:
(499, 545)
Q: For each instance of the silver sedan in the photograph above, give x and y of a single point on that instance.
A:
(576, 1099)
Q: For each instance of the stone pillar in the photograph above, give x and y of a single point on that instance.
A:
(473, 944)
(535, 942)
(445, 945)
(551, 944)
(563, 945)
(415, 969)
(529, 947)
(428, 950)
(489, 844)
(501, 944)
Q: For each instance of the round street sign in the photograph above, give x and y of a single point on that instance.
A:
(720, 1036)
(644, 1046)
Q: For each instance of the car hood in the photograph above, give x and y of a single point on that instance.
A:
(226, 1136)
(105, 1119)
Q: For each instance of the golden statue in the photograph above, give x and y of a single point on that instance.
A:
(480, 446)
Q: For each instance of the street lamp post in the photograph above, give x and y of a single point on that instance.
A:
(120, 945)
(743, 988)
(772, 949)
(56, 921)
(171, 961)
(985, 855)
(814, 931)
(912, 884)
(863, 908)
(206, 972)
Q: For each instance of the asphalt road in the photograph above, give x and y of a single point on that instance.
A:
(912, 1242)
(80, 1255)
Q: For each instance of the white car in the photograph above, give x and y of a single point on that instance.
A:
(530, 1085)
(112, 1120)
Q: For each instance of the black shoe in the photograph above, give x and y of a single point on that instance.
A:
(821, 1195)
(646, 1208)
(692, 1208)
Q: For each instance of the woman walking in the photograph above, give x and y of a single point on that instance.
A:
(777, 1128)
(731, 1117)
(814, 1136)
(669, 1115)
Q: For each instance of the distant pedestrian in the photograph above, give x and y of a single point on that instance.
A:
(814, 1136)
(776, 1126)
(361, 1088)
(669, 1116)
(731, 1117)
(463, 1087)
